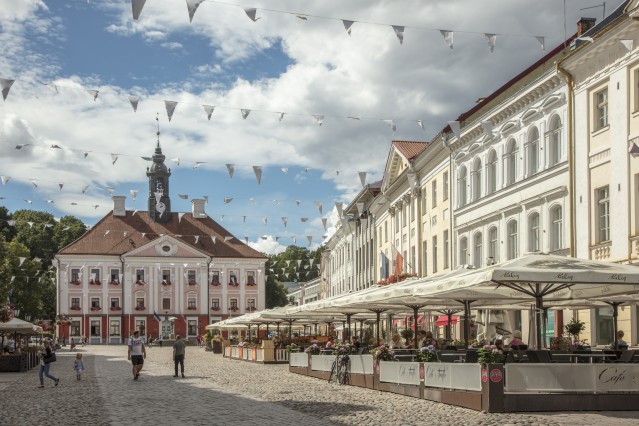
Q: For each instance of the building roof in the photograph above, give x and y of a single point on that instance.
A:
(410, 149)
(117, 235)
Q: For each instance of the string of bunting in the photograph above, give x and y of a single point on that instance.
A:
(399, 30)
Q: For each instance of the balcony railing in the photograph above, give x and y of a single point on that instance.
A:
(115, 282)
(116, 308)
(140, 282)
(74, 282)
(192, 282)
(601, 251)
(166, 282)
(96, 308)
(216, 283)
(140, 308)
(215, 308)
(94, 282)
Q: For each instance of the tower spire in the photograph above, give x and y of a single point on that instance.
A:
(157, 119)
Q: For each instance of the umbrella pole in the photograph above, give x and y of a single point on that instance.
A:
(415, 314)
(539, 306)
(467, 322)
(348, 320)
(290, 329)
(278, 329)
(615, 315)
(449, 315)
(267, 336)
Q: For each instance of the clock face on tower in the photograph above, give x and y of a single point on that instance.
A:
(160, 207)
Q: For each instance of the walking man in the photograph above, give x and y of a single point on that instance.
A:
(179, 348)
(137, 353)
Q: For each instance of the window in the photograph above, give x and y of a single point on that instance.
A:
(191, 303)
(445, 183)
(493, 245)
(512, 239)
(75, 276)
(533, 234)
(233, 304)
(476, 180)
(446, 249)
(478, 253)
(604, 326)
(115, 302)
(115, 276)
(233, 278)
(533, 151)
(75, 328)
(215, 304)
(461, 184)
(139, 303)
(601, 109)
(250, 303)
(191, 277)
(434, 193)
(553, 141)
(434, 254)
(139, 276)
(192, 328)
(635, 88)
(140, 325)
(404, 215)
(250, 278)
(603, 214)
(491, 173)
(424, 258)
(166, 304)
(396, 221)
(95, 328)
(556, 228)
(95, 302)
(166, 276)
(215, 277)
(385, 231)
(463, 251)
(114, 328)
(511, 162)
(95, 276)
(75, 303)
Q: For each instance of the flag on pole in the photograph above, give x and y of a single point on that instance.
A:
(384, 263)
(156, 316)
(398, 260)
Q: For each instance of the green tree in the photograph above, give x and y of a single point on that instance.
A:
(34, 229)
(6, 230)
(67, 230)
(276, 293)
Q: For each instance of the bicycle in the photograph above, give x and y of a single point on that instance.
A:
(340, 370)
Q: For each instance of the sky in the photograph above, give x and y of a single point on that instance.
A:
(66, 151)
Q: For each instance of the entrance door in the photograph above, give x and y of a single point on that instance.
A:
(167, 330)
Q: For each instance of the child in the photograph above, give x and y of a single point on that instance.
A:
(78, 366)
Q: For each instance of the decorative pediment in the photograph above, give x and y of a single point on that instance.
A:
(460, 155)
(553, 100)
(510, 127)
(165, 246)
(475, 146)
(530, 114)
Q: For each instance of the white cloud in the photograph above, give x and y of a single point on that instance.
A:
(267, 246)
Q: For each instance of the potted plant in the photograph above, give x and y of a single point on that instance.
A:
(383, 353)
(490, 354)
(314, 349)
(427, 354)
(407, 334)
(574, 328)
(292, 348)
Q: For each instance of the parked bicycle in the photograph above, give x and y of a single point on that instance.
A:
(340, 371)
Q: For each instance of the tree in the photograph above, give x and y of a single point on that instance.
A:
(34, 229)
(6, 230)
(276, 293)
(67, 230)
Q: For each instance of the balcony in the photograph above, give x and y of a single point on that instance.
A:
(192, 308)
(74, 282)
(251, 282)
(166, 282)
(140, 308)
(75, 308)
(234, 309)
(601, 251)
(96, 308)
(251, 309)
(215, 308)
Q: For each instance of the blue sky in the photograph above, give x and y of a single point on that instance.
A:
(56, 51)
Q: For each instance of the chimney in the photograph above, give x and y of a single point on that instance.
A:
(197, 208)
(118, 205)
(584, 25)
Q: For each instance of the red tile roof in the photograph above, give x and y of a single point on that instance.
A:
(115, 242)
(410, 149)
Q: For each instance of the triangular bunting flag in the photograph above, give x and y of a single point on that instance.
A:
(391, 124)
(318, 204)
(304, 219)
(170, 108)
(230, 168)
(180, 216)
(448, 37)
(191, 6)
(399, 32)
(208, 109)
(227, 238)
(542, 42)
(338, 206)
(197, 238)
(265, 220)
(324, 220)
(250, 12)
(5, 179)
(176, 161)
(281, 116)
(5, 84)
(22, 259)
(421, 124)
(134, 103)
(134, 193)
(285, 221)
(634, 150)
(347, 25)
(184, 196)
(491, 39)
(93, 93)
(284, 170)
(258, 173)
(360, 208)
(362, 177)
(297, 202)
(246, 239)
(137, 6)
(84, 188)
(455, 126)
(33, 183)
(213, 239)
(319, 119)
(243, 219)
(245, 113)
(299, 263)
(60, 185)
(627, 43)
(228, 200)
(114, 158)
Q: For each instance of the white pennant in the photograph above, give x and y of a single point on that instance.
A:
(84, 188)
(134, 212)
(208, 109)
(230, 168)
(421, 124)
(106, 232)
(297, 202)
(30, 223)
(197, 238)
(347, 25)
(114, 158)
(93, 93)
(22, 259)
(265, 220)
(299, 263)
(213, 239)
(448, 37)
(184, 196)
(227, 239)
(243, 219)
(319, 119)
(285, 221)
(318, 204)
(258, 173)
(192, 5)
(362, 177)
(491, 39)
(198, 163)
(227, 200)
(134, 193)
(50, 202)
(391, 124)
(360, 208)
(339, 206)
(5, 179)
(245, 113)
(304, 219)
(158, 195)
(542, 42)
(180, 216)
(137, 6)
(170, 108)
(250, 12)
(134, 103)
(324, 220)
(11, 222)
(399, 32)
(488, 127)
(33, 183)
(281, 116)
(628, 44)
(455, 126)
(310, 261)
(5, 84)
(284, 170)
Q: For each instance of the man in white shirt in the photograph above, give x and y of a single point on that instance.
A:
(137, 353)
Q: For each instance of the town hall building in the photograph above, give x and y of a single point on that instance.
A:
(157, 271)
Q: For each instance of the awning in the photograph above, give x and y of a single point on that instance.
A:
(443, 320)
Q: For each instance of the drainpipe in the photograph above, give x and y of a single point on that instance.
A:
(571, 176)
(208, 291)
(122, 335)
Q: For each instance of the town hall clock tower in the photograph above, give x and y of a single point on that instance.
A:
(159, 201)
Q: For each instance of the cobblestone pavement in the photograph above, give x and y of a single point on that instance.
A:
(219, 391)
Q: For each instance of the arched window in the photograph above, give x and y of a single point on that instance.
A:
(463, 251)
(491, 173)
(554, 143)
(533, 232)
(532, 148)
(512, 240)
(512, 151)
(476, 178)
(556, 228)
(493, 244)
(478, 253)
(461, 183)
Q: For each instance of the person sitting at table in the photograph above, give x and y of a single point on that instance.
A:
(621, 344)
(356, 343)
(329, 343)
(396, 342)
(516, 341)
(426, 339)
(499, 344)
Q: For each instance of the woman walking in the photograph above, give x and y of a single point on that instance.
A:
(47, 356)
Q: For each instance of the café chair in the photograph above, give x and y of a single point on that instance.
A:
(626, 357)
